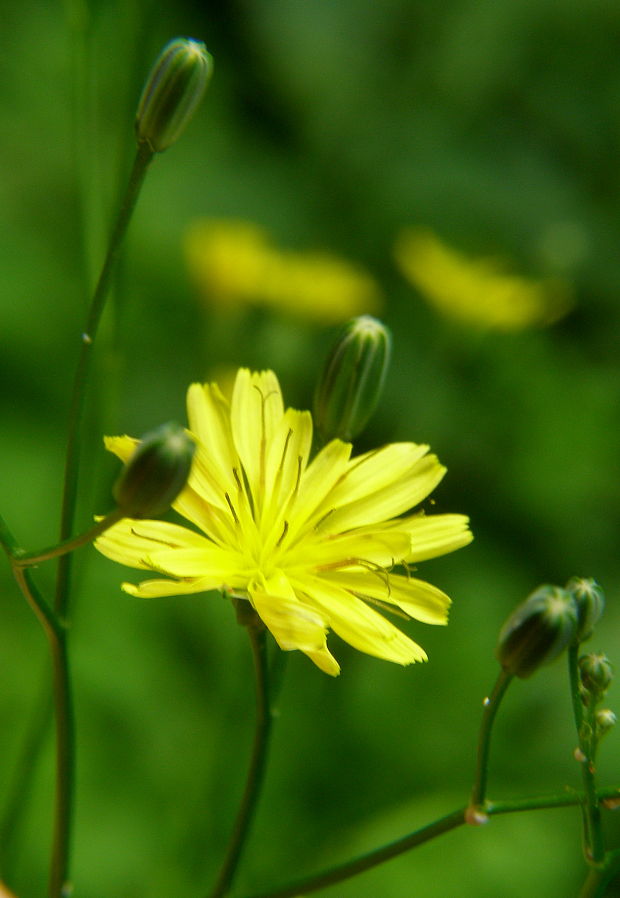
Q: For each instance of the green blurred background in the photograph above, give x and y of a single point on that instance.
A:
(333, 124)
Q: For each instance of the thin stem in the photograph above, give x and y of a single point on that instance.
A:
(143, 157)
(599, 878)
(19, 786)
(594, 848)
(65, 737)
(367, 861)
(491, 706)
(28, 559)
(256, 769)
(418, 837)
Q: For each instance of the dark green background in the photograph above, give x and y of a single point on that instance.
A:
(333, 124)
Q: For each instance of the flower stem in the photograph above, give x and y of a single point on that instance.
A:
(599, 878)
(420, 836)
(19, 786)
(28, 559)
(63, 708)
(491, 706)
(257, 766)
(593, 844)
(141, 163)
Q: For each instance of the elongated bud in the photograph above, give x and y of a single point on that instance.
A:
(173, 90)
(156, 472)
(595, 674)
(352, 379)
(590, 601)
(537, 631)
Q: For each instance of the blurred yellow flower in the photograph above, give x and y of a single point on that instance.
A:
(234, 262)
(480, 292)
(311, 545)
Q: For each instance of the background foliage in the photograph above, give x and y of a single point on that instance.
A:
(333, 125)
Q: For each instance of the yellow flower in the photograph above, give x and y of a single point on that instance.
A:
(310, 544)
(234, 262)
(477, 291)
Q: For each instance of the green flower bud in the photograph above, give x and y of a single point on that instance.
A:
(596, 674)
(352, 379)
(156, 472)
(537, 631)
(173, 90)
(590, 601)
(605, 720)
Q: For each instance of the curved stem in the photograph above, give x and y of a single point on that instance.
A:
(491, 707)
(367, 861)
(28, 559)
(418, 837)
(257, 766)
(143, 157)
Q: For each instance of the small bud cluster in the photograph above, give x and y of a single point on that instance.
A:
(550, 620)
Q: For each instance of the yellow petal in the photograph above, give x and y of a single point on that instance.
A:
(433, 535)
(256, 412)
(356, 549)
(294, 625)
(154, 589)
(416, 598)
(130, 542)
(123, 447)
(390, 500)
(358, 624)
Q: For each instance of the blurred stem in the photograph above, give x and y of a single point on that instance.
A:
(491, 706)
(256, 771)
(599, 878)
(28, 559)
(18, 787)
(141, 163)
(63, 708)
(419, 837)
(593, 846)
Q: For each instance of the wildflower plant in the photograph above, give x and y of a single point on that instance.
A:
(308, 537)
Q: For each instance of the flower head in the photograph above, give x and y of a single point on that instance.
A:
(234, 263)
(479, 292)
(311, 544)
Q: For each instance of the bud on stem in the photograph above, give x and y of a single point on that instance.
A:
(352, 379)
(537, 631)
(156, 472)
(173, 90)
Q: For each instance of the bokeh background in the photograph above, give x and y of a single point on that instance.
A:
(332, 125)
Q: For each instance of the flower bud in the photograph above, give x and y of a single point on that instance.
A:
(605, 720)
(173, 90)
(590, 601)
(537, 631)
(595, 674)
(352, 379)
(156, 472)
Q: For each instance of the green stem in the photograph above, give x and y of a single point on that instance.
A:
(141, 163)
(366, 861)
(63, 708)
(491, 706)
(27, 559)
(19, 786)
(256, 771)
(594, 848)
(418, 837)
(599, 878)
